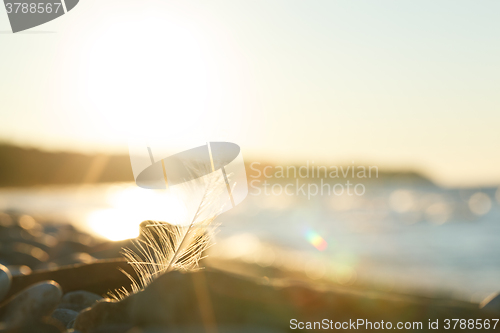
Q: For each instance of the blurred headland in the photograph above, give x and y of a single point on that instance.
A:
(30, 167)
(22, 167)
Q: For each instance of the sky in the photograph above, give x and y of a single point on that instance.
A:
(399, 84)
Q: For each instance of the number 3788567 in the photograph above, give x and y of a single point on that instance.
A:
(32, 8)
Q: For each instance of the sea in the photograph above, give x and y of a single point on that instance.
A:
(410, 237)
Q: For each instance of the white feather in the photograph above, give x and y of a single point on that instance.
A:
(165, 247)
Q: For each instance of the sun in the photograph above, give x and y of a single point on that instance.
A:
(129, 206)
(146, 75)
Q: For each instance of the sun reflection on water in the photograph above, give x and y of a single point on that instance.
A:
(129, 206)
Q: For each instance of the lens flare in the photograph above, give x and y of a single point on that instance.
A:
(316, 240)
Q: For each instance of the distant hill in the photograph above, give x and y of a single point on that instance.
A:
(27, 167)
(332, 172)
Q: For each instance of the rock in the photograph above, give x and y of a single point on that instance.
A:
(75, 258)
(79, 300)
(118, 328)
(6, 220)
(201, 329)
(146, 306)
(18, 270)
(177, 302)
(65, 316)
(46, 266)
(110, 250)
(36, 327)
(20, 253)
(31, 304)
(104, 314)
(5, 280)
(71, 242)
(491, 303)
(27, 222)
(171, 301)
(99, 277)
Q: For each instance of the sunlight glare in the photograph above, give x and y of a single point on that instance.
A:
(148, 74)
(130, 207)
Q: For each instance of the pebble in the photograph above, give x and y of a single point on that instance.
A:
(6, 220)
(16, 270)
(35, 328)
(5, 280)
(26, 241)
(75, 258)
(20, 253)
(31, 304)
(168, 301)
(200, 328)
(78, 300)
(105, 314)
(65, 316)
(163, 304)
(491, 303)
(118, 328)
